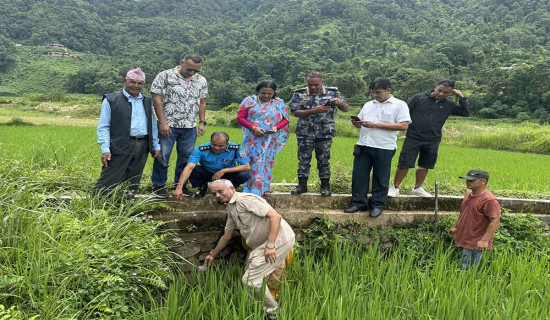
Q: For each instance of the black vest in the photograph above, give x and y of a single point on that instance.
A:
(121, 119)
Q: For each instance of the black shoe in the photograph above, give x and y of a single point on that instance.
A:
(160, 192)
(375, 212)
(354, 209)
(325, 188)
(202, 191)
(186, 192)
(130, 196)
(270, 316)
(300, 188)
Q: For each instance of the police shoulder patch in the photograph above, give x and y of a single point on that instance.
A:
(301, 90)
(204, 148)
(242, 154)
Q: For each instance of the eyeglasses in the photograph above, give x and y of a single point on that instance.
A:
(193, 70)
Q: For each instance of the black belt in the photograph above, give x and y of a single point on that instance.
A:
(139, 138)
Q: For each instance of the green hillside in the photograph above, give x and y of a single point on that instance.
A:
(37, 72)
(497, 50)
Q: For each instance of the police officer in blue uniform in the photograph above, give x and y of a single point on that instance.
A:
(315, 106)
(218, 158)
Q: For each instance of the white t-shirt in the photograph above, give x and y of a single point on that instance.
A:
(392, 110)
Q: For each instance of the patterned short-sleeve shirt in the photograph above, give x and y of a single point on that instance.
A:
(181, 98)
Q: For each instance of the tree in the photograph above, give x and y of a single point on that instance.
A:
(348, 85)
(7, 58)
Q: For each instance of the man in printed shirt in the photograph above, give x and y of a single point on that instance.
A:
(126, 132)
(266, 233)
(379, 120)
(179, 95)
(479, 218)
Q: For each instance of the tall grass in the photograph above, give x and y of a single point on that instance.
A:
(350, 282)
(79, 259)
(498, 135)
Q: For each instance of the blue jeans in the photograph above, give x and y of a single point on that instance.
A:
(185, 139)
(470, 258)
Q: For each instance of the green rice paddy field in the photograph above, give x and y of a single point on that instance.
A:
(70, 149)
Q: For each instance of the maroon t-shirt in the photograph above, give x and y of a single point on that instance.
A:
(475, 214)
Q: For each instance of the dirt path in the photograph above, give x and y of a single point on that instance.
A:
(59, 121)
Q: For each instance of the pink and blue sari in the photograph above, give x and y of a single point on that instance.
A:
(262, 150)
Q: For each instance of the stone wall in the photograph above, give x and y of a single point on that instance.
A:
(197, 223)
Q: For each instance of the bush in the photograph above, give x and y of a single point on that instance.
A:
(517, 233)
(83, 258)
(341, 177)
(17, 122)
(227, 117)
(523, 116)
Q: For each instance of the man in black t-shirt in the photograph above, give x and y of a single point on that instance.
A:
(429, 111)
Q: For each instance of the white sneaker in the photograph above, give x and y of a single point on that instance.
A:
(393, 191)
(420, 192)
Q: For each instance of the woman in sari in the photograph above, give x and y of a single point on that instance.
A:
(265, 133)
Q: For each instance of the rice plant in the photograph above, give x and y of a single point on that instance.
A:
(350, 282)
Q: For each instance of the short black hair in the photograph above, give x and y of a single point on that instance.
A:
(219, 134)
(314, 74)
(380, 83)
(447, 83)
(267, 84)
(193, 57)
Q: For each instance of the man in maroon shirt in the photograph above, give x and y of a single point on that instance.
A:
(479, 219)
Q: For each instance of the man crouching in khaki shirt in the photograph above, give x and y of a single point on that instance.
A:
(268, 235)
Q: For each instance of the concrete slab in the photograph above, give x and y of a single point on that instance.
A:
(203, 221)
(309, 201)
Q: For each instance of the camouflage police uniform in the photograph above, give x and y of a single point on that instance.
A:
(315, 131)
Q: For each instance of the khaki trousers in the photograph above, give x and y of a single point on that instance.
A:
(257, 270)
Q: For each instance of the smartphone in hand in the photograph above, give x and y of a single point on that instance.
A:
(355, 118)
(270, 132)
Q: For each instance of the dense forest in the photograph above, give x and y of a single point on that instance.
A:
(497, 50)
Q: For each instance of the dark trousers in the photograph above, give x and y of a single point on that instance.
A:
(124, 168)
(306, 145)
(200, 176)
(379, 161)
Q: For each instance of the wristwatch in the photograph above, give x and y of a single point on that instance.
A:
(203, 122)
(270, 246)
(375, 125)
